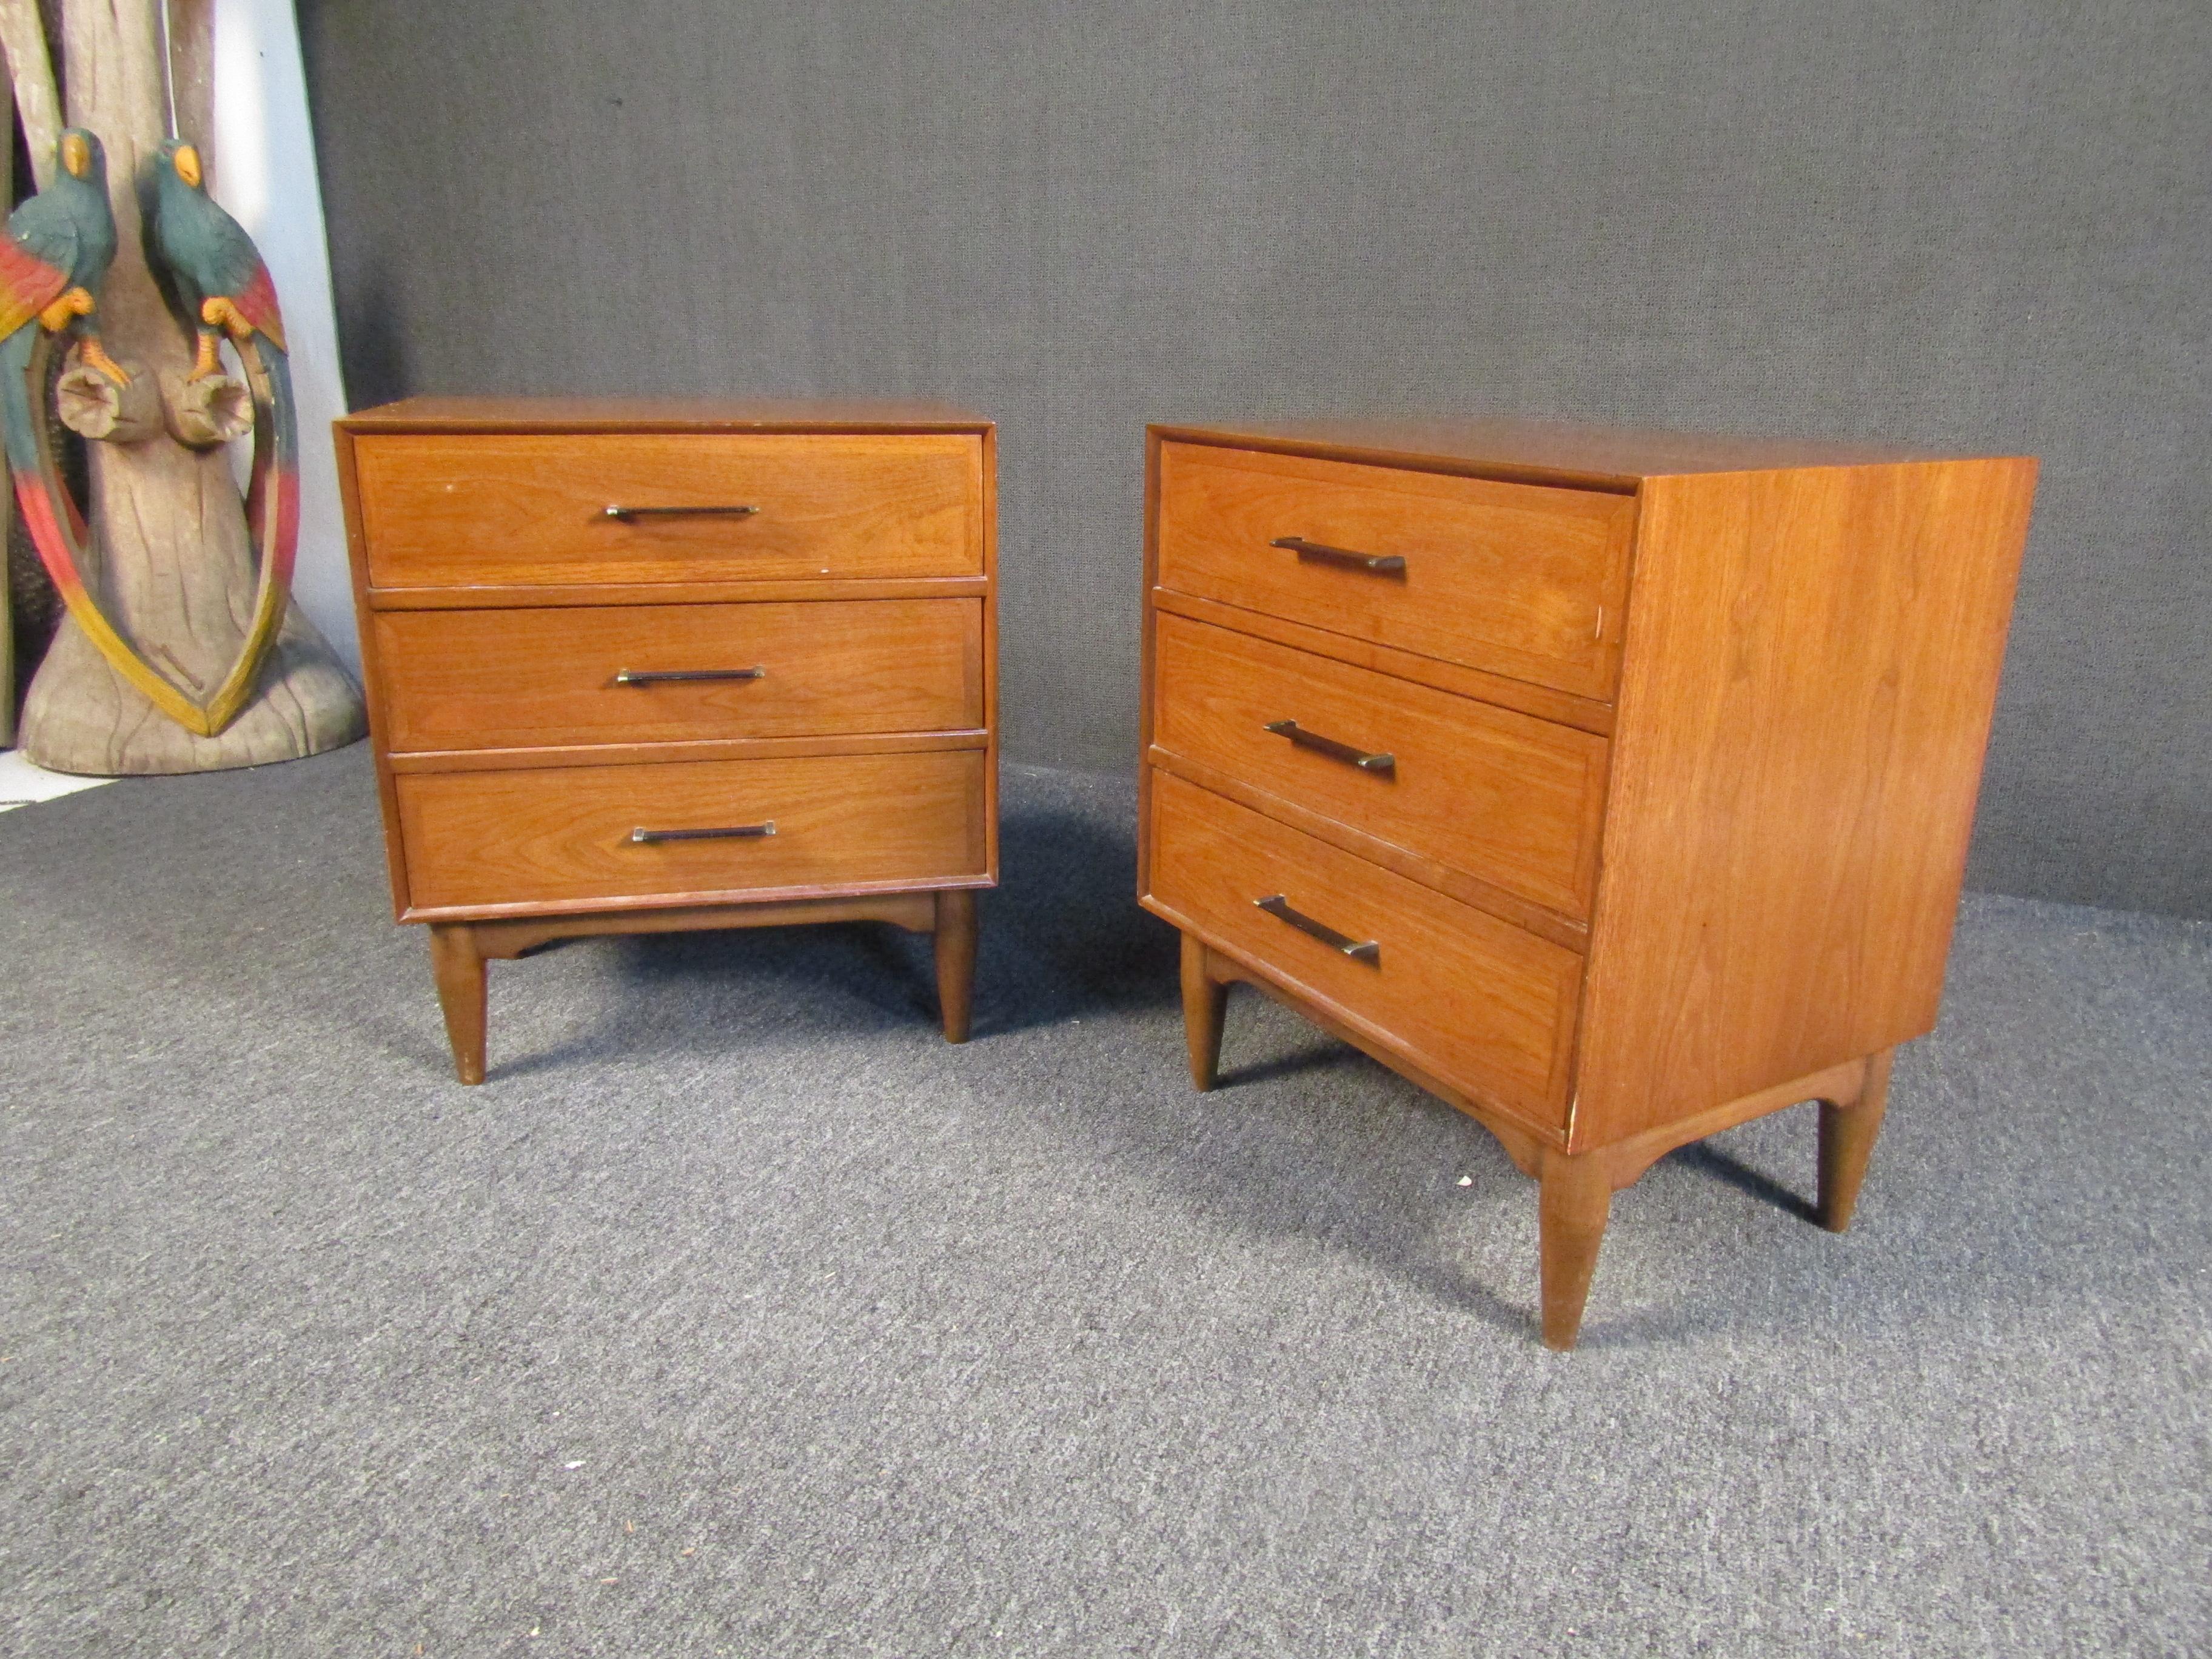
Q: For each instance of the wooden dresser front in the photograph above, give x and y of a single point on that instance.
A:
(644, 666)
(1615, 786)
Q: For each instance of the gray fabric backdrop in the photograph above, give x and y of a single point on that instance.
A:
(1981, 225)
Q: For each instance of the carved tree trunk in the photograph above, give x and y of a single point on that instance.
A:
(176, 566)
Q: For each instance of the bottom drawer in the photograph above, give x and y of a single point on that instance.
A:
(567, 835)
(1474, 1000)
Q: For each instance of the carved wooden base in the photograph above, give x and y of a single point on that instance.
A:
(459, 950)
(81, 716)
(1576, 1189)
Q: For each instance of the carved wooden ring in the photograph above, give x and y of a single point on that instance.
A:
(91, 404)
(210, 411)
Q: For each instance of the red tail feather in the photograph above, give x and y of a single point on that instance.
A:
(46, 537)
(257, 303)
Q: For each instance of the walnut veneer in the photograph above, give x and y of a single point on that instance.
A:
(1615, 786)
(762, 691)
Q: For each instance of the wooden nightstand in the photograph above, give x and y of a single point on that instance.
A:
(1613, 787)
(641, 666)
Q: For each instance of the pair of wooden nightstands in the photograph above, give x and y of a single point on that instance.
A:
(1613, 787)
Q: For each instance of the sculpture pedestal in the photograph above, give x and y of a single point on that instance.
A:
(82, 716)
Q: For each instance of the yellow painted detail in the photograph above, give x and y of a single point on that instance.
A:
(270, 600)
(67, 309)
(224, 315)
(94, 354)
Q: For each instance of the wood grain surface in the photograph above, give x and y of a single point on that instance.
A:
(1511, 578)
(1583, 713)
(1498, 795)
(782, 590)
(475, 415)
(1612, 457)
(530, 508)
(652, 754)
(496, 841)
(497, 679)
(1448, 879)
(1812, 665)
(1458, 992)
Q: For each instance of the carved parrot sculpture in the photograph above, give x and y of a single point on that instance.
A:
(53, 261)
(216, 269)
(58, 247)
(58, 250)
(217, 275)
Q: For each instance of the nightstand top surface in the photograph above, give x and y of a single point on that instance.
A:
(1615, 458)
(662, 415)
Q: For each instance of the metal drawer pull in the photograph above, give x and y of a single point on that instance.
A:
(625, 514)
(667, 675)
(736, 832)
(1381, 564)
(1359, 949)
(1332, 748)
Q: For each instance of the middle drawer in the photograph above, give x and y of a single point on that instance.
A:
(1503, 796)
(569, 675)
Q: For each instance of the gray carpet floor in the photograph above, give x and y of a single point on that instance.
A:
(739, 1314)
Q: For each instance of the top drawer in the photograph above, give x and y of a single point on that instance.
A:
(1513, 579)
(530, 509)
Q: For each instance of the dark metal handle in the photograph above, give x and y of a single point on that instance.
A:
(1359, 949)
(625, 514)
(1332, 748)
(734, 833)
(667, 675)
(1381, 564)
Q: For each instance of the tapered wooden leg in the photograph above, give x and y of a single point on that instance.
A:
(1576, 1197)
(1848, 1129)
(458, 967)
(955, 960)
(1205, 1004)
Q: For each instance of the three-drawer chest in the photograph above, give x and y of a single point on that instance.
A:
(1613, 787)
(642, 666)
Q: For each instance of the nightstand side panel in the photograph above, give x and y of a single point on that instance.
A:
(1810, 670)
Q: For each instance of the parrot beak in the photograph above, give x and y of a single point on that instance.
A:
(187, 163)
(76, 155)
